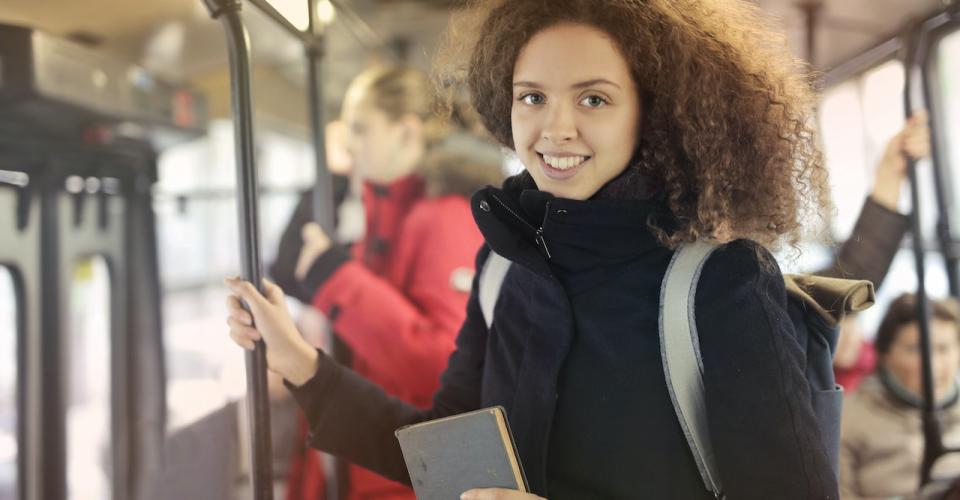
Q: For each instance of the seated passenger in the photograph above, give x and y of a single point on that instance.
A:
(881, 433)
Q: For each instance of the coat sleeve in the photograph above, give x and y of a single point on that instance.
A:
(282, 267)
(355, 419)
(761, 420)
(405, 336)
(871, 247)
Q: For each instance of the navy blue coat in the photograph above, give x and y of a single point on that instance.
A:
(582, 268)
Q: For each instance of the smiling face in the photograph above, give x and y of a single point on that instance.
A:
(576, 110)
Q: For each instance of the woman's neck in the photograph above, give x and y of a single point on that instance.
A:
(896, 389)
(405, 163)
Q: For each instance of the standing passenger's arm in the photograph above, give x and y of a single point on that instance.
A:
(875, 240)
(352, 417)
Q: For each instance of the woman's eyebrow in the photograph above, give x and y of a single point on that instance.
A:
(591, 83)
(531, 85)
(578, 85)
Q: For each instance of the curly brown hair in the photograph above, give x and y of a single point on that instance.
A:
(727, 111)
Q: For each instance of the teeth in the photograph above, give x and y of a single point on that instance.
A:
(565, 162)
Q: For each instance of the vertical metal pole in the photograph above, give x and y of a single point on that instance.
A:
(322, 194)
(811, 10)
(941, 176)
(322, 188)
(933, 441)
(53, 407)
(258, 408)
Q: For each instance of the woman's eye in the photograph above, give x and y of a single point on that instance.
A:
(593, 101)
(533, 99)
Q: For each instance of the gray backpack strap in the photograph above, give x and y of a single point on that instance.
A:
(680, 352)
(491, 279)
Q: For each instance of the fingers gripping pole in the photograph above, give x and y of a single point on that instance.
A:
(258, 409)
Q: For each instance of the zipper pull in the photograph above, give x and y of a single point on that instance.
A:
(540, 239)
(542, 243)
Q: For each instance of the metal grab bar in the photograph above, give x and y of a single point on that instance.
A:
(932, 435)
(258, 408)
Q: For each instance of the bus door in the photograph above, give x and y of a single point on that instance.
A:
(77, 154)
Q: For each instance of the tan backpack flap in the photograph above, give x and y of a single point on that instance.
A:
(831, 298)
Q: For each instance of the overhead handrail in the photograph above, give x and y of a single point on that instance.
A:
(887, 49)
(355, 24)
(916, 51)
(944, 22)
(258, 408)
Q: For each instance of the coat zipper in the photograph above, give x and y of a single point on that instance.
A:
(539, 239)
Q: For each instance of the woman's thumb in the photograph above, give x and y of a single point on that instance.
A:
(254, 300)
(272, 292)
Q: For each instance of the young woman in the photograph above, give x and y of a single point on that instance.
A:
(641, 124)
(397, 298)
(882, 439)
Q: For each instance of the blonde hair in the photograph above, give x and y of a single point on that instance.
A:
(399, 91)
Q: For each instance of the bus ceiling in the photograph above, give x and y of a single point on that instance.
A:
(174, 40)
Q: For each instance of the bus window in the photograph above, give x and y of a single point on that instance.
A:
(8, 386)
(948, 59)
(197, 229)
(87, 346)
(841, 125)
(857, 119)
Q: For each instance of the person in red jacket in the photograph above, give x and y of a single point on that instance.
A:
(397, 298)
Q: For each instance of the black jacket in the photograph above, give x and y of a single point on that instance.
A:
(604, 275)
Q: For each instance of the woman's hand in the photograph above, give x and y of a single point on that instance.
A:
(913, 142)
(916, 136)
(315, 243)
(287, 352)
(497, 494)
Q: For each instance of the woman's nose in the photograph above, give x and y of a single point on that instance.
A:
(560, 125)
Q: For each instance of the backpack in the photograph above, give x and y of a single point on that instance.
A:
(815, 306)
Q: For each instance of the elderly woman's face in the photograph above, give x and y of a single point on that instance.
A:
(576, 110)
(903, 359)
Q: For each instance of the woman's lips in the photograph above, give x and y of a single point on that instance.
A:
(560, 174)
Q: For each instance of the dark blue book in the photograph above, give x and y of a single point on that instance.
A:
(448, 456)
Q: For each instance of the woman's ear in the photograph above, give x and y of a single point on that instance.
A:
(412, 129)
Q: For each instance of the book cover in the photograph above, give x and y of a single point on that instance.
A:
(448, 456)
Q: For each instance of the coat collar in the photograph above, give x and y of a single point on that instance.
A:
(549, 234)
(401, 191)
